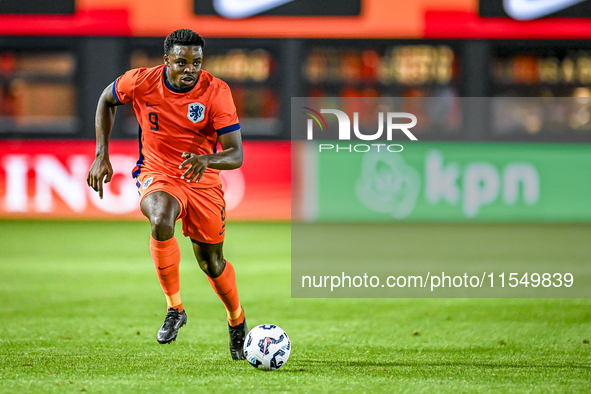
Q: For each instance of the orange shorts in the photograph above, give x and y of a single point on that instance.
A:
(203, 210)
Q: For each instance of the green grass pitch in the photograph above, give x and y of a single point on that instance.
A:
(80, 306)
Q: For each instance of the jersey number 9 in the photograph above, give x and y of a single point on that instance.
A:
(153, 118)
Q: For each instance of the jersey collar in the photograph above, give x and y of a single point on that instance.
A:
(172, 88)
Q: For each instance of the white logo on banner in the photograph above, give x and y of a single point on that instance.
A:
(532, 9)
(235, 9)
(387, 184)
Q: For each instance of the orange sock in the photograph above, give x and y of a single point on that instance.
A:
(167, 257)
(225, 287)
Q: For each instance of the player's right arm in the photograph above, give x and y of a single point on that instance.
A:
(101, 170)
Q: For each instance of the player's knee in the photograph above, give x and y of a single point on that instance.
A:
(162, 227)
(213, 266)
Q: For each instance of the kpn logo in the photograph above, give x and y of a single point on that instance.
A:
(387, 184)
(394, 124)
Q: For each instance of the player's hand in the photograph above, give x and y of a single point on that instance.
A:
(197, 165)
(100, 170)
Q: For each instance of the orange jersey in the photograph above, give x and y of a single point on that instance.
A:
(173, 122)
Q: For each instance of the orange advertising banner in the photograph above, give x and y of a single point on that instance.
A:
(376, 19)
(47, 179)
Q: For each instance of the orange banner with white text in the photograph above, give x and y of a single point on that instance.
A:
(47, 179)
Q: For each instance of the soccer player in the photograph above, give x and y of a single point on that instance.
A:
(183, 111)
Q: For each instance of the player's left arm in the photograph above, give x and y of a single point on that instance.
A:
(229, 158)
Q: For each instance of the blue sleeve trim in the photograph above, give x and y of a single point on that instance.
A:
(228, 129)
(115, 91)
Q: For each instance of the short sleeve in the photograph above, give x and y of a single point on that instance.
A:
(124, 86)
(223, 112)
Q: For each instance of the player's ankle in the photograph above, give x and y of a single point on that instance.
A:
(178, 307)
(239, 317)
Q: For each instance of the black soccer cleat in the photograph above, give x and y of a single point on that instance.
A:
(173, 322)
(237, 336)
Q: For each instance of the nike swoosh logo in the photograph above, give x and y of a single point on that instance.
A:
(524, 10)
(165, 267)
(151, 105)
(235, 9)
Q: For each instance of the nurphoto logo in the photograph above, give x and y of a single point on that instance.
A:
(393, 123)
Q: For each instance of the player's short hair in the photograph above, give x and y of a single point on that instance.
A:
(182, 37)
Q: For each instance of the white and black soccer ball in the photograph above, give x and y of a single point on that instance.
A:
(267, 347)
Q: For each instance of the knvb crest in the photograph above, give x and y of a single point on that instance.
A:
(196, 112)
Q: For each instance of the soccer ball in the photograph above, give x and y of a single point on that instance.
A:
(267, 347)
